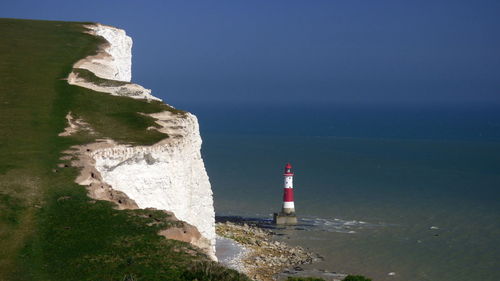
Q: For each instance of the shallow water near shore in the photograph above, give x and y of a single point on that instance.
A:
(388, 208)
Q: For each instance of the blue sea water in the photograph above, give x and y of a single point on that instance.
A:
(413, 190)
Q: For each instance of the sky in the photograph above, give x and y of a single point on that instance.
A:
(292, 52)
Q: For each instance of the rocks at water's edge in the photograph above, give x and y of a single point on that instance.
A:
(266, 257)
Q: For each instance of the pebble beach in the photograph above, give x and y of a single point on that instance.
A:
(253, 251)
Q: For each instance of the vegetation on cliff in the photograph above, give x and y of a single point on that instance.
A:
(49, 228)
(347, 278)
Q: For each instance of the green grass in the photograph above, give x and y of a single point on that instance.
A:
(89, 76)
(49, 228)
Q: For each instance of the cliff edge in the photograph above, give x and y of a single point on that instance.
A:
(169, 175)
(63, 214)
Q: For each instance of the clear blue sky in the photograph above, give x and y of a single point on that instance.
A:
(302, 51)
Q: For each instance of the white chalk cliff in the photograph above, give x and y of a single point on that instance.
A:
(113, 62)
(169, 175)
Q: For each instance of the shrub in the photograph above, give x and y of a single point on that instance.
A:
(304, 279)
(211, 271)
(356, 278)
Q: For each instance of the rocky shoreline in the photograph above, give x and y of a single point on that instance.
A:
(265, 259)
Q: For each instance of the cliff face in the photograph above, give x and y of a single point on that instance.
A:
(114, 60)
(169, 175)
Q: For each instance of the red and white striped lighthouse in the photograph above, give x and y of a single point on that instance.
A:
(288, 204)
(287, 215)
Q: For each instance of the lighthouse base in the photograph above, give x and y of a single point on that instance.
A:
(285, 219)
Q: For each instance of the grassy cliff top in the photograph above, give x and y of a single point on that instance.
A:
(49, 228)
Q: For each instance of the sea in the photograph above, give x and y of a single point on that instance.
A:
(392, 192)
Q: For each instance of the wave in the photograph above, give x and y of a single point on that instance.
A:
(307, 223)
(336, 225)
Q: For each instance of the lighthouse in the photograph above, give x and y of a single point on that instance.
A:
(288, 204)
(287, 214)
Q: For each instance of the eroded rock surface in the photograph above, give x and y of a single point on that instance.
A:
(113, 61)
(169, 175)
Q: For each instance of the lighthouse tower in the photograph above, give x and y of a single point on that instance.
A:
(287, 214)
(288, 205)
